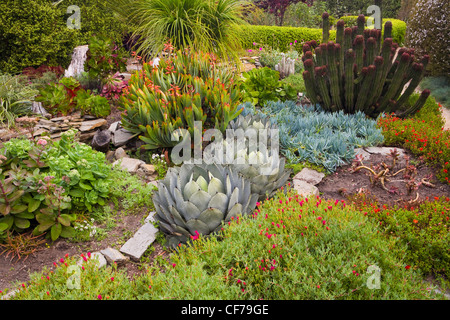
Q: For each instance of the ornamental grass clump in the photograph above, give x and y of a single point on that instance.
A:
(362, 71)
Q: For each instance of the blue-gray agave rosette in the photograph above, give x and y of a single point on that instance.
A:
(195, 199)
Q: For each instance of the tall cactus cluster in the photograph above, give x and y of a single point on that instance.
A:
(362, 71)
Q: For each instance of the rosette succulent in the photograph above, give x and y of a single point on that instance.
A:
(195, 199)
(257, 160)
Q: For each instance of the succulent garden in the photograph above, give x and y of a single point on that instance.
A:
(231, 150)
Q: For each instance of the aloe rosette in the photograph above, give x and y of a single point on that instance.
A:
(196, 199)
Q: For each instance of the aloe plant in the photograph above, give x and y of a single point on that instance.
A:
(185, 88)
(196, 199)
(362, 71)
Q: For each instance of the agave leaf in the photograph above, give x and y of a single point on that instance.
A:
(182, 231)
(215, 186)
(202, 183)
(189, 189)
(200, 199)
(165, 228)
(197, 225)
(234, 198)
(234, 211)
(166, 215)
(212, 217)
(219, 201)
(177, 217)
(189, 210)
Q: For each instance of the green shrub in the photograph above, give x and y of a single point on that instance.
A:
(39, 35)
(423, 227)
(295, 81)
(103, 58)
(92, 104)
(278, 37)
(428, 29)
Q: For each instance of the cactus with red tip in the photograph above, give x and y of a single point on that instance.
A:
(361, 71)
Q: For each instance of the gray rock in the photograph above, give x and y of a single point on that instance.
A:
(366, 152)
(101, 261)
(114, 126)
(305, 189)
(129, 164)
(120, 153)
(155, 183)
(110, 156)
(143, 238)
(311, 176)
(121, 137)
(92, 124)
(113, 256)
(150, 218)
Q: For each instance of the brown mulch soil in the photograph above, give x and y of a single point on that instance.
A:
(344, 182)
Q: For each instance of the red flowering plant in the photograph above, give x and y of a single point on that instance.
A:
(423, 226)
(423, 135)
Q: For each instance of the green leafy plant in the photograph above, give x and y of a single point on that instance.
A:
(103, 58)
(263, 84)
(296, 81)
(373, 77)
(184, 88)
(92, 104)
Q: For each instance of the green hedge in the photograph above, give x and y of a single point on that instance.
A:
(35, 32)
(281, 37)
(398, 27)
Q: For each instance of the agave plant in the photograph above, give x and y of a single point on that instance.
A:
(259, 162)
(196, 199)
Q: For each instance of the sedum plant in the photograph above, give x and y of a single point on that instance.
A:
(196, 199)
(184, 88)
(362, 71)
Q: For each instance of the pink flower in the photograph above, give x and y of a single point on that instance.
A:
(173, 265)
(260, 49)
(249, 50)
(99, 297)
(42, 142)
(196, 235)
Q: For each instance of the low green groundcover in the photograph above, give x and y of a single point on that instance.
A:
(289, 248)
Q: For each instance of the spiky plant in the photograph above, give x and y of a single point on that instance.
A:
(184, 88)
(362, 71)
(206, 25)
(196, 199)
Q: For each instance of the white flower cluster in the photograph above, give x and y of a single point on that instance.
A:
(86, 226)
(158, 158)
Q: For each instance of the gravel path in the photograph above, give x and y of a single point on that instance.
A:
(446, 116)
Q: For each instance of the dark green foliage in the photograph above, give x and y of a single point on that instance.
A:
(338, 8)
(428, 30)
(35, 32)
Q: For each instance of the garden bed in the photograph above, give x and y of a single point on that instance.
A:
(344, 182)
